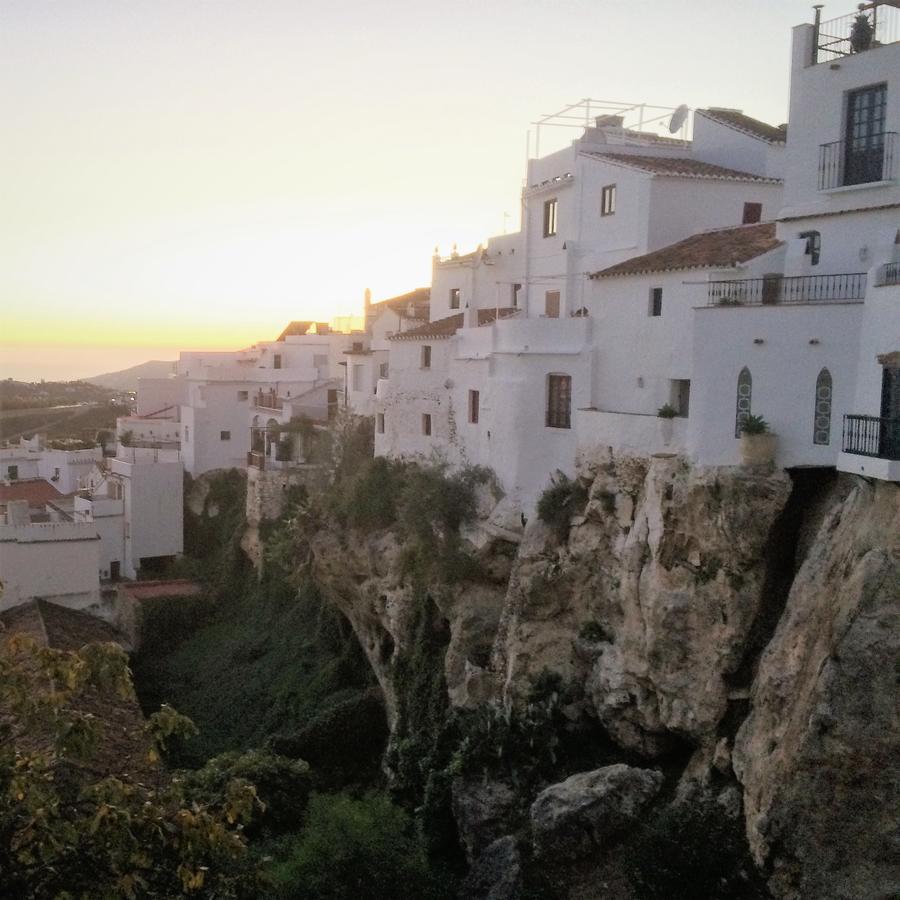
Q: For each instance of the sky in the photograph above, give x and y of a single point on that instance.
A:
(185, 174)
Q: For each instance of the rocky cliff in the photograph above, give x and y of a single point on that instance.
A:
(727, 637)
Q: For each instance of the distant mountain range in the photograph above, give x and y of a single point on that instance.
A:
(127, 379)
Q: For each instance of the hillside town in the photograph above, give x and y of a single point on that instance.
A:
(731, 298)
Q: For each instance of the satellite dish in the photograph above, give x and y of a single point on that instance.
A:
(678, 118)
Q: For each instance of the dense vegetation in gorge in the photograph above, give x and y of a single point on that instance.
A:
(586, 710)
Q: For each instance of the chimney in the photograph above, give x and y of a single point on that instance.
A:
(609, 121)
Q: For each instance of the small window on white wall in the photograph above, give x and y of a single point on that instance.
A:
(243, 395)
(454, 298)
(822, 420)
(743, 403)
(655, 308)
(608, 200)
(379, 423)
(224, 435)
(426, 357)
(426, 424)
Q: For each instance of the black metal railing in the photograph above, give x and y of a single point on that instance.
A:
(775, 290)
(889, 274)
(838, 37)
(845, 163)
(872, 436)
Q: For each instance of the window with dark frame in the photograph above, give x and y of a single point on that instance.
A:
(559, 401)
(454, 298)
(426, 357)
(551, 304)
(426, 424)
(608, 200)
(224, 435)
(276, 362)
(752, 213)
(379, 423)
(656, 295)
(474, 402)
(383, 370)
(813, 245)
(243, 395)
(550, 214)
(515, 294)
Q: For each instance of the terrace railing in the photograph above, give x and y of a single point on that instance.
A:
(834, 37)
(872, 436)
(775, 290)
(845, 163)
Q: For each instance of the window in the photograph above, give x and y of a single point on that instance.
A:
(276, 362)
(608, 200)
(655, 308)
(752, 213)
(12, 472)
(551, 304)
(865, 136)
(379, 423)
(813, 245)
(550, 213)
(357, 378)
(224, 435)
(744, 396)
(454, 298)
(559, 401)
(426, 357)
(822, 413)
(681, 396)
(474, 403)
(383, 370)
(187, 434)
(426, 424)
(243, 395)
(514, 297)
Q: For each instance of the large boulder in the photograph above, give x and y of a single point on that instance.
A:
(484, 811)
(583, 812)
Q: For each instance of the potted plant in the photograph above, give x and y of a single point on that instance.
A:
(666, 413)
(757, 442)
(861, 33)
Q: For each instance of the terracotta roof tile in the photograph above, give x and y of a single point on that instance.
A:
(152, 590)
(418, 299)
(35, 490)
(709, 250)
(734, 118)
(447, 327)
(681, 168)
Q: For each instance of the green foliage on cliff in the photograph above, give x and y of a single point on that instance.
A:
(563, 498)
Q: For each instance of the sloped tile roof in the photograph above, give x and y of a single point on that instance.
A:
(681, 168)
(446, 328)
(709, 250)
(35, 490)
(152, 590)
(734, 118)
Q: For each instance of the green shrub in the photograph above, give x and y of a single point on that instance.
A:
(754, 425)
(560, 501)
(667, 411)
(282, 784)
(356, 848)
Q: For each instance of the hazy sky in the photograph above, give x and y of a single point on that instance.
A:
(186, 173)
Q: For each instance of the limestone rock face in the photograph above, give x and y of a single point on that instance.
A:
(819, 754)
(362, 575)
(666, 567)
(497, 873)
(578, 815)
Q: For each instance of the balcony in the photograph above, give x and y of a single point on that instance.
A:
(858, 162)
(888, 274)
(268, 400)
(775, 290)
(872, 436)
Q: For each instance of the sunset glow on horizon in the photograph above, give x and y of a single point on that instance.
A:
(197, 174)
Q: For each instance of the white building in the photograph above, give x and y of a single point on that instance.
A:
(208, 408)
(45, 555)
(135, 504)
(652, 272)
(34, 458)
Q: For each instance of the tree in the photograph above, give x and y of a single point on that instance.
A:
(70, 826)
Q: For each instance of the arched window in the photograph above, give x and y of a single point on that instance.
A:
(744, 395)
(822, 417)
